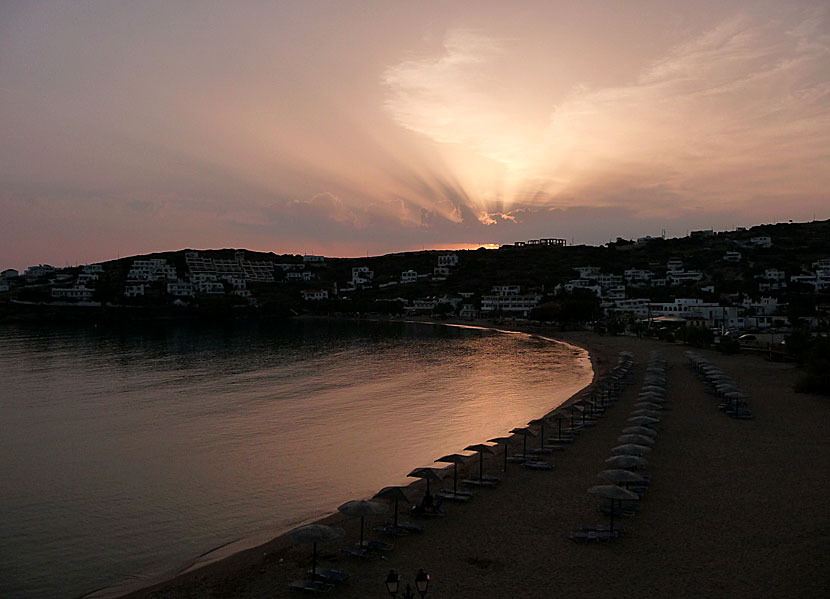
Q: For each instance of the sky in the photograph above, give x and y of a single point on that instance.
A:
(351, 128)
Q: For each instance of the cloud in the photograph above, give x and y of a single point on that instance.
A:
(742, 108)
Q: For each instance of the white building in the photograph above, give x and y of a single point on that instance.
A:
(409, 276)
(308, 258)
(521, 304)
(180, 289)
(506, 289)
(314, 294)
(93, 268)
(763, 241)
(441, 271)
(33, 272)
(635, 276)
(587, 272)
(361, 275)
(732, 256)
(448, 260)
(154, 269)
(674, 264)
(134, 290)
(637, 307)
(77, 292)
(680, 277)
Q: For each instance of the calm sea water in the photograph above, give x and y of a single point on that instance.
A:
(127, 452)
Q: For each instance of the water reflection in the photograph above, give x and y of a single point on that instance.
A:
(130, 450)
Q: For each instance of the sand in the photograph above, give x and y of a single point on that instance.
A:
(735, 509)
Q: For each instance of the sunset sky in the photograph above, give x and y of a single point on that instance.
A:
(345, 128)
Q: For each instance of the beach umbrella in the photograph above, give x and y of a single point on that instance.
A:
(630, 449)
(395, 494)
(643, 420)
(525, 433)
(360, 508)
(315, 533)
(614, 493)
(427, 474)
(481, 448)
(648, 405)
(645, 412)
(620, 476)
(500, 441)
(626, 461)
(637, 439)
(541, 423)
(640, 430)
(455, 459)
(559, 417)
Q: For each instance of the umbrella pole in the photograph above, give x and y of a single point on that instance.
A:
(524, 446)
(455, 478)
(480, 465)
(361, 532)
(505, 455)
(542, 437)
(314, 561)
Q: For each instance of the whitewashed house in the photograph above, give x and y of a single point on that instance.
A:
(409, 276)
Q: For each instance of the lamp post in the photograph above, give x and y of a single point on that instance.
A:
(421, 584)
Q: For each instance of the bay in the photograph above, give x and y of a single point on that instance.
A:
(129, 451)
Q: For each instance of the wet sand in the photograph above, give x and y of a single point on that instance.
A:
(736, 508)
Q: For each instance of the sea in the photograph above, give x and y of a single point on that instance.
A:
(130, 452)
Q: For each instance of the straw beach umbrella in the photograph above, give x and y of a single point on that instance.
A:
(315, 533)
(395, 494)
(614, 493)
(630, 449)
(636, 439)
(618, 475)
(455, 459)
(645, 412)
(643, 420)
(502, 441)
(427, 474)
(360, 508)
(525, 433)
(481, 448)
(640, 430)
(626, 461)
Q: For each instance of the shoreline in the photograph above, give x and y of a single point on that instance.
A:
(736, 508)
(240, 552)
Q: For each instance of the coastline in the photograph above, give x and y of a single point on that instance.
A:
(247, 552)
(734, 510)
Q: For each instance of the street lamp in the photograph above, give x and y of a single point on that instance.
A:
(421, 584)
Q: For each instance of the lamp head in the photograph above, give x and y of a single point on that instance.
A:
(422, 582)
(392, 583)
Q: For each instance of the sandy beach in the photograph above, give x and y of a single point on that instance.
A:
(735, 508)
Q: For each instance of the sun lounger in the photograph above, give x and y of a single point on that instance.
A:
(373, 545)
(355, 551)
(433, 512)
(480, 482)
(314, 586)
(450, 496)
(329, 575)
(593, 535)
(600, 528)
(619, 512)
(538, 465)
(395, 531)
(411, 526)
